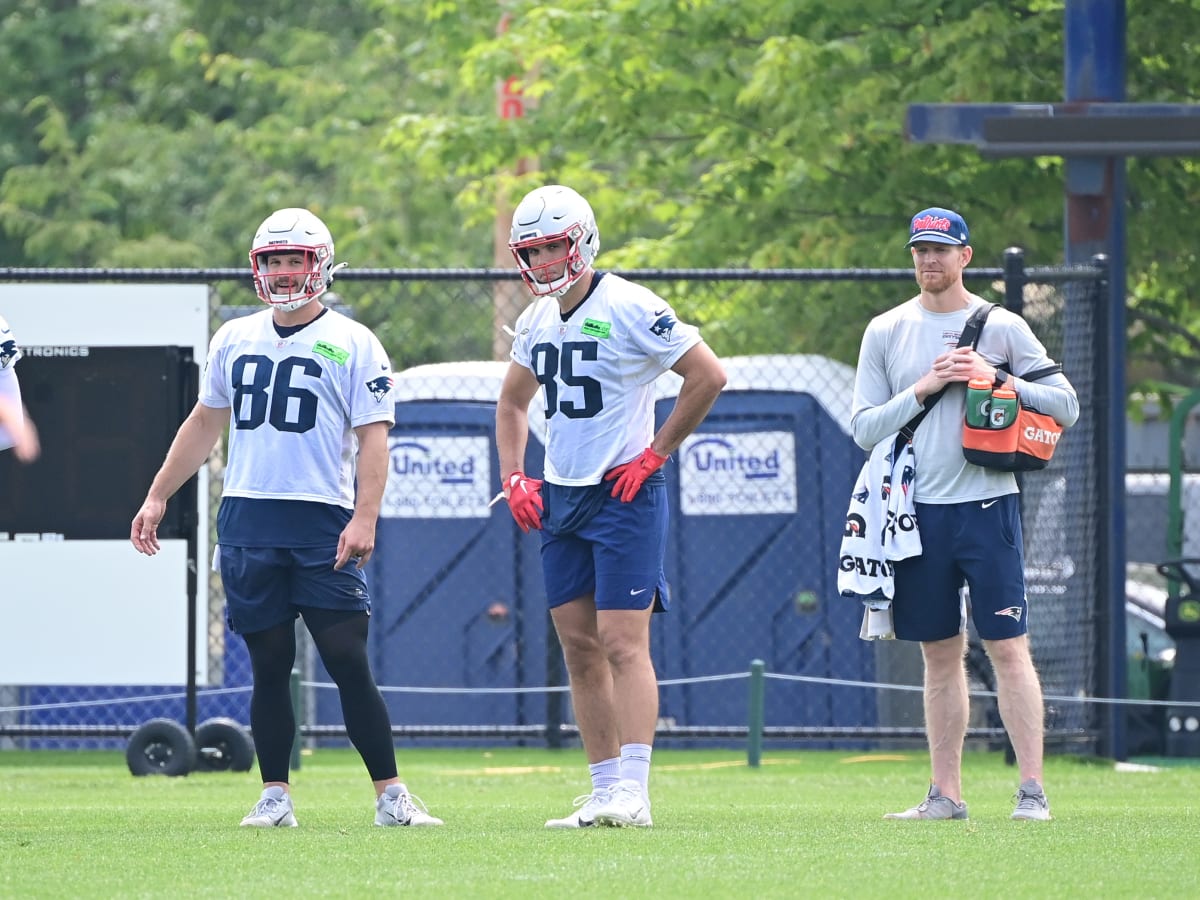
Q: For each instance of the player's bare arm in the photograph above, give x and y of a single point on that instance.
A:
(703, 380)
(512, 417)
(16, 421)
(193, 443)
(357, 540)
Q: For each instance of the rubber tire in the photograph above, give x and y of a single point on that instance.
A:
(233, 746)
(160, 747)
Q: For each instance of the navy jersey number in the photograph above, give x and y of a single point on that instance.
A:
(272, 396)
(550, 367)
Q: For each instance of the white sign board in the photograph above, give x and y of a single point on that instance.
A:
(66, 622)
(98, 612)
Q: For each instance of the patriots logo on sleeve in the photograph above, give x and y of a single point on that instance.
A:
(9, 353)
(380, 387)
(663, 326)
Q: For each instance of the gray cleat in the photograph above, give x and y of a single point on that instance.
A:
(396, 806)
(1032, 802)
(934, 806)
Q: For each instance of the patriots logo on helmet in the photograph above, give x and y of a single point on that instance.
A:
(380, 387)
(663, 326)
(9, 353)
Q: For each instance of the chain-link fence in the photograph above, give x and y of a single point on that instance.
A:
(461, 641)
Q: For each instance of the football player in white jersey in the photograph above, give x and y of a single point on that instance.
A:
(595, 343)
(16, 427)
(306, 393)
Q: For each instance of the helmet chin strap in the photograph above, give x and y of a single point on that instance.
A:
(293, 305)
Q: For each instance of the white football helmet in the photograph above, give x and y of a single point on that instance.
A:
(554, 213)
(298, 231)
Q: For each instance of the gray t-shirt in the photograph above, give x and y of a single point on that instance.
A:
(899, 346)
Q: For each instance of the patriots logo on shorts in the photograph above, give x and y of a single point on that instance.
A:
(663, 326)
(1013, 612)
(380, 387)
(9, 353)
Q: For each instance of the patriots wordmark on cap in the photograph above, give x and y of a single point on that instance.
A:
(942, 226)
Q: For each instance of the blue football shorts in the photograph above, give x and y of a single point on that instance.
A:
(265, 586)
(616, 555)
(977, 543)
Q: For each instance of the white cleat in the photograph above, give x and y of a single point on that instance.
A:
(585, 815)
(627, 807)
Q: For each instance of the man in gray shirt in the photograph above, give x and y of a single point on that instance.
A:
(968, 516)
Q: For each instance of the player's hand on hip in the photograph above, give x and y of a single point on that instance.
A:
(632, 475)
(143, 534)
(524, 495)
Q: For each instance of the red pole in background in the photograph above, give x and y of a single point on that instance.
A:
(508, 297)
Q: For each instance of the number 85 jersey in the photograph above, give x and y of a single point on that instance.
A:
(294, 401)
(597, 370)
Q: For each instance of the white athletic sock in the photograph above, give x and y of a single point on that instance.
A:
(635, 764)
(605, 773)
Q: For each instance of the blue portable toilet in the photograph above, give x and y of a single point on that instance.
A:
(457, 590)
(758, 500)
(759, 495)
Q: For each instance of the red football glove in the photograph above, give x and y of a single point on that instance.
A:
(524, 495)
(632, 475)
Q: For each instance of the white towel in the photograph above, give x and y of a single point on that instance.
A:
(881, 527)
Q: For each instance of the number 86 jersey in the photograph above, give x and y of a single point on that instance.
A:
(294, 400)
(597, 370)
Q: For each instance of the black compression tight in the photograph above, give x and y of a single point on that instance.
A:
(341, 641)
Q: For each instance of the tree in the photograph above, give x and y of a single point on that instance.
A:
(706, 133)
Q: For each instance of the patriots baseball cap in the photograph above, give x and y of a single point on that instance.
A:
(940, 226)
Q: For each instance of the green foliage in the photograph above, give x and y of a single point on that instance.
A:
(706, 133)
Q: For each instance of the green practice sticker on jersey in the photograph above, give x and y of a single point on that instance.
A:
(329, 351)
(592, 328)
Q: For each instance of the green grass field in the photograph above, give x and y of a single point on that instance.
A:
(804, 824)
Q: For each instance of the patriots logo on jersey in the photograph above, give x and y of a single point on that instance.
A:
(663, 326)
(380, 387)
(861, 496)
(9, 353)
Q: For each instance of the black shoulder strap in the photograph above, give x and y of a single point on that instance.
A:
(1039, 374)
(974, 327)
(968, 338)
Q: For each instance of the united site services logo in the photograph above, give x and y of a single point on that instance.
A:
(719, 455)
(438, 477)
(411, 458)
(749, 473)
